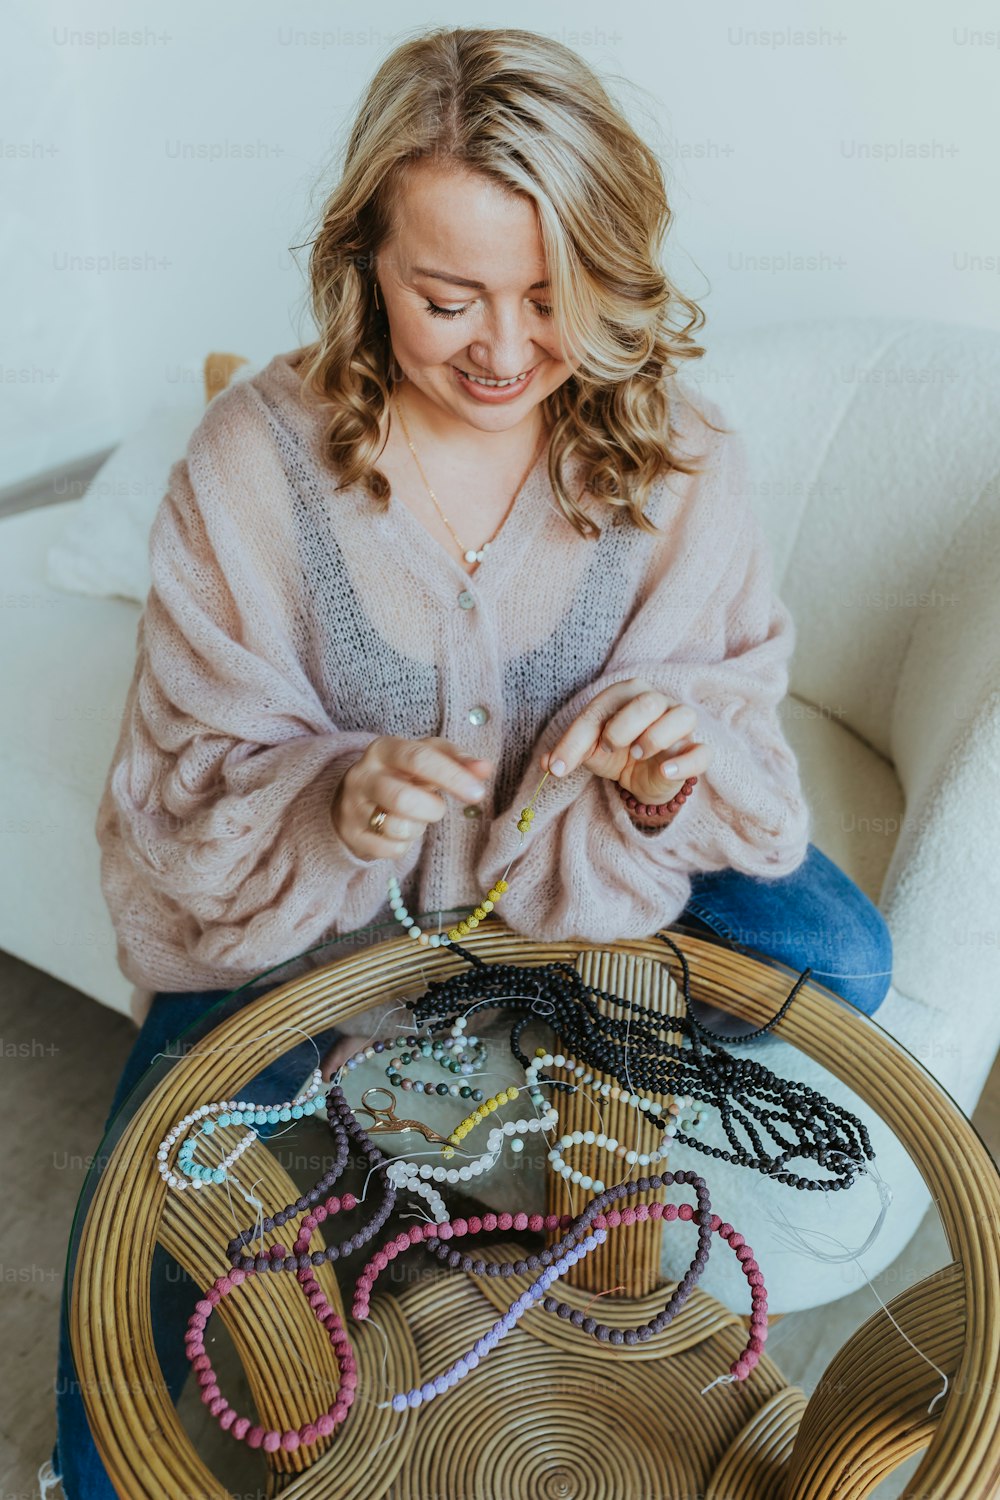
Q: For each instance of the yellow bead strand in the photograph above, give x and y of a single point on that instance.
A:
(479, 913)
(462, 1129)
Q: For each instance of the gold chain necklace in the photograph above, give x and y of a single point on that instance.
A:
(470, 554)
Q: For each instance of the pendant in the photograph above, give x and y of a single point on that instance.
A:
(472, 556)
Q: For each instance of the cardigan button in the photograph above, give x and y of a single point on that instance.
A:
(472, 811)
(465, 600)
(479, 714)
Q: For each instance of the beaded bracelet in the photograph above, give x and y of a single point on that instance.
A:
(229, 1112)
(240, 1427)
(661, 809)
(418, 1085)
(469, 1056)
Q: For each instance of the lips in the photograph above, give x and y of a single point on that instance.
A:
(492, 395)
(474, 375)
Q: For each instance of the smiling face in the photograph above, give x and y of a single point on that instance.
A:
(464, 287)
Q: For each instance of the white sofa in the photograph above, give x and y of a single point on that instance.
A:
(875, 448)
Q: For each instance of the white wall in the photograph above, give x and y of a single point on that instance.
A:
(825, 159)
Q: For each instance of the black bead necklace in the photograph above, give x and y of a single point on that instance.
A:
(633, 1047)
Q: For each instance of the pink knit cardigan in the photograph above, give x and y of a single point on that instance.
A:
(289, 624)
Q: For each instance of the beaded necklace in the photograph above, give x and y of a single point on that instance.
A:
(471, 554)
(480, 912)
(614, 1147)
(229, 1112)
(241, 1428)
(582, 1222)
(341, 1116)
(585, 1232)
(458, 1063)
(513, 1130)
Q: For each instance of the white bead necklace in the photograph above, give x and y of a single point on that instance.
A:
(610, 1144)
(411, 1170)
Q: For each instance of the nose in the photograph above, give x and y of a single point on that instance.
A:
(506, 348)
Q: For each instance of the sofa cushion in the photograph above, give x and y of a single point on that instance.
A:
(65, 665)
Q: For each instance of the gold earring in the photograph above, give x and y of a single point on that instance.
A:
(378, 305)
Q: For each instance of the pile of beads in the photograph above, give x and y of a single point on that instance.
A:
(241, 1427)
(510, 1129)
(633, 1044)
(229, 1112)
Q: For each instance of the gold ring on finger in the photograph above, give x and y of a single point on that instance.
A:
(377, 819)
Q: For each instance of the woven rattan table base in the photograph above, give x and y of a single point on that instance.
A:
(551, 1414)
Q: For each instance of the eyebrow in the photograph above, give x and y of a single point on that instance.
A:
(477, 286)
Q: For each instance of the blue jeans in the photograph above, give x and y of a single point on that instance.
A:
(815, 917)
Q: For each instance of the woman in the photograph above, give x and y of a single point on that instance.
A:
(474, 532)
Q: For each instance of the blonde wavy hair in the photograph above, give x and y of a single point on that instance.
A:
(530, 115)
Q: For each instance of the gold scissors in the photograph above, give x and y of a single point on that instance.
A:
(385, 1121)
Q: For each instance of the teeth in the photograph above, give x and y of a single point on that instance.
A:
(498, 384)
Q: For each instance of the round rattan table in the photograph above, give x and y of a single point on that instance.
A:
(551, 1415)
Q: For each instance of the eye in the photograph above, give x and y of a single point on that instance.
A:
(444, 312)
(543, 310)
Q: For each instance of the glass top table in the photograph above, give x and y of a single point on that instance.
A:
(882, 1300)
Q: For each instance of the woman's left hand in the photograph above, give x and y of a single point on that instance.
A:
(631, 733)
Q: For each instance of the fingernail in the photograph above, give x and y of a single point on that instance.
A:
(670, 770)
(558, 767)
(636, 752)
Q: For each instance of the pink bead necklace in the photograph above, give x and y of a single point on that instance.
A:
(241, 1428)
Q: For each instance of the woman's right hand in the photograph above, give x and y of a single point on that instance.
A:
(405, 777)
